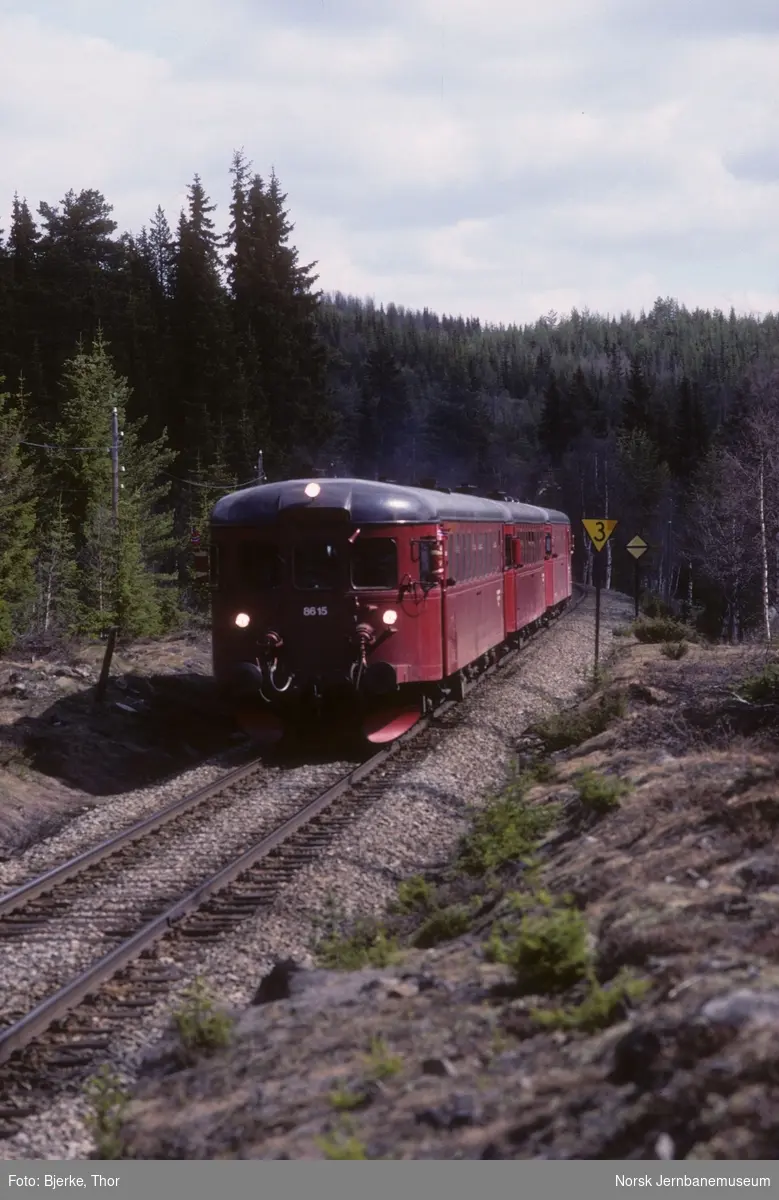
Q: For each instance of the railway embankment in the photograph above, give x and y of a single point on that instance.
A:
(63, 753)
(592, 973)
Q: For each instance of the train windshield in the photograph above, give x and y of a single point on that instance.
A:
(375, 563)
(317, 566)
(259, 565)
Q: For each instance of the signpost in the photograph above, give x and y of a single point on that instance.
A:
(598, 531)
(637, 547)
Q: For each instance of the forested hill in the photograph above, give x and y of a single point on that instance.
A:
(211, 340)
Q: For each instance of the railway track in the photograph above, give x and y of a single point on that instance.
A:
(136, 931)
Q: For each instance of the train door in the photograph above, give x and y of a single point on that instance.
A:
(549, 560)
(509, 582)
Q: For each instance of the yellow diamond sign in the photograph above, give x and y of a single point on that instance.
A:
(637, 547)
(599, 531)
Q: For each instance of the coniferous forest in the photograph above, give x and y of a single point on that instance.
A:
(212, 342)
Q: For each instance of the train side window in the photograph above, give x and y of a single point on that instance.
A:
(375, 563)
(316, 566)
(507, 554)
(259, 565)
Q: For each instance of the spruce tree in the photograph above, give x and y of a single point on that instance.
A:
(57, 607)
(119, 561)
(17, 521)
(283, 359)
(199, 328)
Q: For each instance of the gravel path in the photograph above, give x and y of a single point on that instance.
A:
(414, 826)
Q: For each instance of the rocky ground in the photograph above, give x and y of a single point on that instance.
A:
(594, 975)
(61, 753)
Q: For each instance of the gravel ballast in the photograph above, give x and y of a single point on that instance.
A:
(413, 827)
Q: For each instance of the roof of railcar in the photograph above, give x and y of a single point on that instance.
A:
(369, 502)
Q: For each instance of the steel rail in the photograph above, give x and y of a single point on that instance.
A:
(55, 1006)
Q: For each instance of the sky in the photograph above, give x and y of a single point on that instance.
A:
(492, 158)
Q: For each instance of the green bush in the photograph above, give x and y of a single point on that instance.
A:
(550, 951)
(565, 729)
(443, 926)
(367, 946)
(600, 793)
(654, 606)
(414, 894)
(600, 1008)
(764, 687)
(507, 830)
(653, 630)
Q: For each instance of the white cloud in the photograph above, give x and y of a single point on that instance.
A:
(498, 159)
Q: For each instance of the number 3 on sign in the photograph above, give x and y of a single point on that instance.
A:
(315, 610)
(599, 531)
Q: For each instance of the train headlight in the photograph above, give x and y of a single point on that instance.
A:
(312, 490)
(242, 620)
(389, 617)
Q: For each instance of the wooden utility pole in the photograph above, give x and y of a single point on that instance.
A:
(115, 462)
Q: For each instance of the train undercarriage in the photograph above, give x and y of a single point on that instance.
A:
(270, 714)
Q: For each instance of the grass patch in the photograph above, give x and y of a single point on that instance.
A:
(654, 630)
(107, 1101)
(507, 830)
(344, 1100)
(201, 1027)
(339, 1145)
(565, 729)
(600, 793)
(380, 1063)
(601, 1008)
(675, 650)
(764, 687)
(366, 946)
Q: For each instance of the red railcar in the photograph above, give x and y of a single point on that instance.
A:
(380, 596)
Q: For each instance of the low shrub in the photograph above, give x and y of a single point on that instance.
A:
(443, 926)
(571, 728)
(600, 793)
(764, 687)
(654, 630)
(366, 946)
(600, 1008)
(675, 650)
(507, 830)
(548, 952)
(202, 1028)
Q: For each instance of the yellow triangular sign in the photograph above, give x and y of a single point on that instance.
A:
(599, 531)
(637, 547)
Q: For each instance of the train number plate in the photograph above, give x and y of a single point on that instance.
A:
(315, 610)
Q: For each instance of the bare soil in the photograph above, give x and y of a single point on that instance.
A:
(61, 752)
(442, 1054)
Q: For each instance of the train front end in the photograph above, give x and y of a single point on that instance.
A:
(314, 620)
